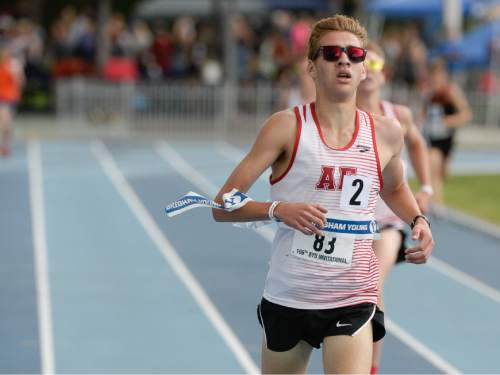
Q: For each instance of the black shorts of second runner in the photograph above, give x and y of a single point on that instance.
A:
(404, 245)
(445, 145)
(284, 326)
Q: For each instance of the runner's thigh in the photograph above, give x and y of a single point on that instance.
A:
(293, 361)
(348, 354)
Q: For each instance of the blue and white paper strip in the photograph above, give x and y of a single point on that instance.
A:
(232, 201)
(236, 199)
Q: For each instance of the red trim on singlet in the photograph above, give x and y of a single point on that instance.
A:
(272, 180)
(353, 139)
(304, 112)
(374, 140)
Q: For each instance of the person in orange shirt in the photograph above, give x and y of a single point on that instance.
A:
(11, 81)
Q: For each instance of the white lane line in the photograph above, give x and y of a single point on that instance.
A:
(167, 250)
(464, 279)
(472, 222)
(235, 155)
(202, 183)
(230, 152)
(41, 258)
(420, 348)
(186, 170)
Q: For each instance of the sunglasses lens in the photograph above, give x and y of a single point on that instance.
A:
(375, 65)
(356, 54)
(331, 53)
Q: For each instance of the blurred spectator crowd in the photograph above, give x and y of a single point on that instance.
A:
(269, 47)
(181, 48)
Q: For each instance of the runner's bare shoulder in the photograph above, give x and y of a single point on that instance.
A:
(280, 128)
(388, 131)
(404, 114)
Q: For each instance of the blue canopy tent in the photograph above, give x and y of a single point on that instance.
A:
(172, 8)
(412, 8)
(472, 50)
(430, 12)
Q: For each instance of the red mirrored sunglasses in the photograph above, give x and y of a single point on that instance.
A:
(333, 53)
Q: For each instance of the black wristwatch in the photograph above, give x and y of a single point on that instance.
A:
(420, 216)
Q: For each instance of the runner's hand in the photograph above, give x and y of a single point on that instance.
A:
(422, 251)
(307, 218)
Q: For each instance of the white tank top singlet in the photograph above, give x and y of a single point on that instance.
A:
(383, 214)
(346, 181)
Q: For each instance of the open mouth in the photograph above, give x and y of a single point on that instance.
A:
(344, 75)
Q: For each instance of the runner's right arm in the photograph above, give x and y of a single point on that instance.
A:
(273, 147)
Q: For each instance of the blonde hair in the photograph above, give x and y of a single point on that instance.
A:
(338, 22)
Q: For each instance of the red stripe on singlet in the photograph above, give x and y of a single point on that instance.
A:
(374, 140)
(272, 180)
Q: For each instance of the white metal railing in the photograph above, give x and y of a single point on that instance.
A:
(194, 110)
(172, 108)
(484, 106)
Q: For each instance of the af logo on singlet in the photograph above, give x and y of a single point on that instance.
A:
(335, 249)
(355, 189)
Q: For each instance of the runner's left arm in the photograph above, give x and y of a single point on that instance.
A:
(463, 113)
(419, 157)
(397, 194)
(396, 191)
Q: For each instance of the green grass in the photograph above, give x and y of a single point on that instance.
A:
(475, 195)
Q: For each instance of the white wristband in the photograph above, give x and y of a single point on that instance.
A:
(270, 212)
(427, 189)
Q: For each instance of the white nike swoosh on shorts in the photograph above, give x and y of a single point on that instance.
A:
(343, 324)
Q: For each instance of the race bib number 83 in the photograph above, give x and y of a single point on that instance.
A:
(328, 249)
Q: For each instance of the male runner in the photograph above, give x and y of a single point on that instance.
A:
(392, 241)
(329, 162)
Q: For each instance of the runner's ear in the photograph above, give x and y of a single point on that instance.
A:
(311, 69)
(363, 72)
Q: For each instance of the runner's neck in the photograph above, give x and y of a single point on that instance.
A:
(371, 103)
(335, 116)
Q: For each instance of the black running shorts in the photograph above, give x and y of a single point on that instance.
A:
(284, 326)
(404, 245)
(444, 145)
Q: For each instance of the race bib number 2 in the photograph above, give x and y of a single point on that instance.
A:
(327, 249)
(355, 192)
